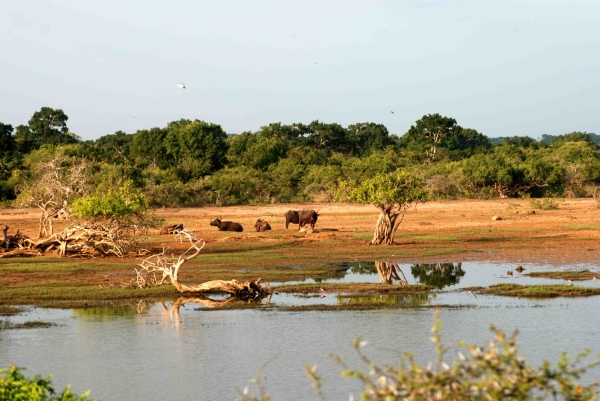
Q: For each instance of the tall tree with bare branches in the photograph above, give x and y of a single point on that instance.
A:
(56, 179)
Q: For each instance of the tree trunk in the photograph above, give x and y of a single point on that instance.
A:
(386, 227)
(46, 228)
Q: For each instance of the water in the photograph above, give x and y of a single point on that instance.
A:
(157, 352)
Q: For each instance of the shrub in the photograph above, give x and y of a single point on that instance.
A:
(15, 386)
(495, 372)
(544, 203)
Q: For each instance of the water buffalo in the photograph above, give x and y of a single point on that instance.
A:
(291, 216)
(171, 229)
(307, 216)
(262, 225)
(302, 218)
(226, 225)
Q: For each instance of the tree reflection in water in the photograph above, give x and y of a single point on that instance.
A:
(389, 273)
(438, 275)
(397, 300)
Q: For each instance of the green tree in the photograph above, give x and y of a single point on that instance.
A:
(576, 136)
(7, 141)
(238, 186)
(54, 180)
(368, 137)
(197, 148)
(147, 149)
(435, 137)
(113, 148)
(125, 205)
(393, 194)
(46, 127)
(256, 151)
(10, 161)
(332, 137)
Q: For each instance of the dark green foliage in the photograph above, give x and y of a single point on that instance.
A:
(196, 162)
(113, 148)
(7, 141)
(519, 142)
(238, 186)
(435, 137)
(147, 148)
(366, 138)
(196, 147)
(46, 127)
(10, 160)
(256, 151)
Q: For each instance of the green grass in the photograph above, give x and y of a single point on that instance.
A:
(536, 291)
(580, 275)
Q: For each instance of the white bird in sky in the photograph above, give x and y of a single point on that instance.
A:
(317, 64)
(182, 86)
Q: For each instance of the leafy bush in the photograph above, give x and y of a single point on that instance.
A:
(123, 204)
(544, 204)
(15, 386)
(495, 372)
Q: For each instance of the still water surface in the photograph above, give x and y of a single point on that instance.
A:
(154, 353)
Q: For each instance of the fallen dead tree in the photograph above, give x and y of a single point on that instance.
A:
(77, 240)
(168, 267)
(16, 245)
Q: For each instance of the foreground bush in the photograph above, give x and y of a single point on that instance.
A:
(495, 372)
(15, 386)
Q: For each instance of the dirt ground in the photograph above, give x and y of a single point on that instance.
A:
(569, 234)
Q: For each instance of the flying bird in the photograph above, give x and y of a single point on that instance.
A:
(392, 112)
(317, 64)
(182, 86)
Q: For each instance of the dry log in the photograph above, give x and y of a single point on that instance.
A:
(20, 253)
(6, 239)
(169, 267)
(172, 229)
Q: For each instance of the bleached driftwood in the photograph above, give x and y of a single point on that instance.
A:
(75, 240)
(169, 266)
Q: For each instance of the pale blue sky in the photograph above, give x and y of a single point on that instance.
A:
(505, 68)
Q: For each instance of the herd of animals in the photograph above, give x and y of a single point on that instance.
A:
(302, 217)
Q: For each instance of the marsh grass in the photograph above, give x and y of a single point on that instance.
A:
(536, 291)
(580, 275)
(7, 310)
(64, 296)
(8, 325)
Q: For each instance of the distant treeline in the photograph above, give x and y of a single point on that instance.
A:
(192, 163)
